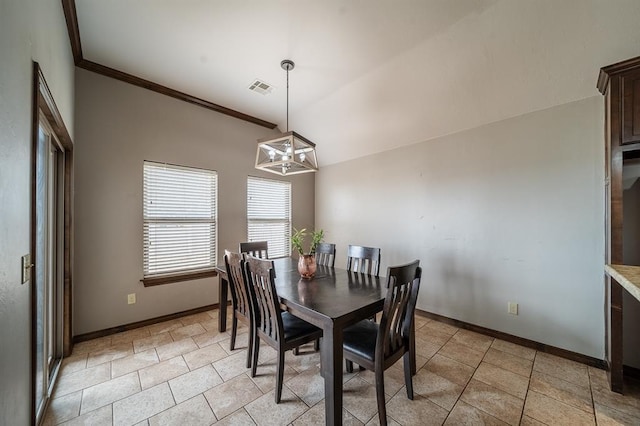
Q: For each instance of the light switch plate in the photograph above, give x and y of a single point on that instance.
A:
(26, 268)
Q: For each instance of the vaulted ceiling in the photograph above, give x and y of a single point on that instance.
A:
(370, 75)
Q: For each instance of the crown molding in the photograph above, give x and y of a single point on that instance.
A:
(606, 72)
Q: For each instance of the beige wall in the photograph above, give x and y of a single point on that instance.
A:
(29, 30)
(118, 127)
(511, 211)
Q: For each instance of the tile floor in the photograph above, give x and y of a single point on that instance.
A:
(181, 372)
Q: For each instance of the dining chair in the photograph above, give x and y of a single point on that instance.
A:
(377, 347)
(363, 259)
(240, 300)
(326, 254)
(280, 330)
(255, 248)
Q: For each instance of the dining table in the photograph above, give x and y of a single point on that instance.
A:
(332, 300)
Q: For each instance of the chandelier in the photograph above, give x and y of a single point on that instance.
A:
(288, 153)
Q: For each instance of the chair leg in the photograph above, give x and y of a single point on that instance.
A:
(280, 375)
(349, 366)
(250, 346)
(234, 331)
(256, 352)
(296, 351)
(382, 408)
(412, 355)
(408, 378)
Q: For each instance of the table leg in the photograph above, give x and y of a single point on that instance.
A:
(331, 359)
(223, 288)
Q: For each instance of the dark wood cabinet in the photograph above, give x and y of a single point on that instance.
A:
(620, 84)
(630, 88)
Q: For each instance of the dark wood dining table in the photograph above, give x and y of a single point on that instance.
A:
(332, 300)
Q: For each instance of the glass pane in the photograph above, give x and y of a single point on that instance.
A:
(172, 247)
(40, 267)
(51, 256)
(179, 218)
(269, 214)
(276, 234)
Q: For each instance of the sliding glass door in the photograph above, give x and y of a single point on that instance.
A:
(48, 266)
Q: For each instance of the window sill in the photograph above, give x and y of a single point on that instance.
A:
(174, 278)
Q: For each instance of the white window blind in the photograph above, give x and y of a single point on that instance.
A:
(269, 214)
(180, 212)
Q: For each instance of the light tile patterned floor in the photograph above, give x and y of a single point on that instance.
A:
(182, 372)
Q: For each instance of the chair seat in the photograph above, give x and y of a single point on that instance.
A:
(295, 327)
(360, 339)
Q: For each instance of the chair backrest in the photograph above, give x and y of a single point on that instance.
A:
(256, 248)
(357, 280)
(240, 297)
(363, 259)
(326, 254)
(261, 279)
(403, 283)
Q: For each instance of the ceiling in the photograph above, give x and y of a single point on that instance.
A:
(370, 75)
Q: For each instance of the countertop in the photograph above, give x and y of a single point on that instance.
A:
(627, 276)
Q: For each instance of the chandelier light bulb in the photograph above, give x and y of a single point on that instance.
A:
(302, 156)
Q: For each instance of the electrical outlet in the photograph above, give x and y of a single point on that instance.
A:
(512, 308)
(131, 298)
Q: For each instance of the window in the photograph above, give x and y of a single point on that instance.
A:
(180, 212)
(269, 214)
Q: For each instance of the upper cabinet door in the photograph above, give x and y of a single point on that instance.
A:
(630, 107)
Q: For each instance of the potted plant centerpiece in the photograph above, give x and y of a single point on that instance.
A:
(306, 262)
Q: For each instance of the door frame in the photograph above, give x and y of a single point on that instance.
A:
(42, 101)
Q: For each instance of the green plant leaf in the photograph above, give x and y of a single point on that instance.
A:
(298, 237)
